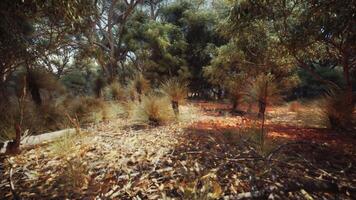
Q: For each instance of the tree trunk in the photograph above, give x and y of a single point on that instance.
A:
(262, 108)
(34, 88)
(345, 106)
(234, 105)
(175, 107)
(346, 69)
(13, 147)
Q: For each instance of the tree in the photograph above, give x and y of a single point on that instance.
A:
(30, 31)
(108, 34)
(197, 23)
(251, 51)
(308, 31)
(176, 91)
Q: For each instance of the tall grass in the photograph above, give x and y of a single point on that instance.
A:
(152, 110)
(176, 91)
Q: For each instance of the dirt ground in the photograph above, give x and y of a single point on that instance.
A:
(208, 154)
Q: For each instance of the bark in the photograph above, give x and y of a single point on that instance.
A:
(234, 105)
(13, 147)
(175, 107)
(34, 88)
(346, 69)
(262, 108)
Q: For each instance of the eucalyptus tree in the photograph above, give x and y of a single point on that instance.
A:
(30, 31)
(109, 33)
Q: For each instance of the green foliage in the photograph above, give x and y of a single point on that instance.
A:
(152, 110)
(264, 89)
(236, 90)
(64, 146)
(162, 51)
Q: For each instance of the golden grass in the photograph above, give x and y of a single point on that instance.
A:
(153, 110)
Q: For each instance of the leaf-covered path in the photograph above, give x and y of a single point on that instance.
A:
(207, 155)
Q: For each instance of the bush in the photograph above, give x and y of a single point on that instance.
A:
(137, 87)
(236, 93)
(152, 110)
(338, 110)
(176, 91)
(87, 109)
(64, 146)
(7, 121)
(115, 92)
(74, 176)
(265, 91)
(36, 119)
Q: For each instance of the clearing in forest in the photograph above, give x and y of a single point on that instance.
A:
(208, 154)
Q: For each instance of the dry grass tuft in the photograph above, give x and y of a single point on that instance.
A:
(138, 87)
(206, 187)
(74, 175)
(175, 89)
(88, 109)
(311, 115)
(115, 91)
(152, 110)
(294, 106)
(64, 146)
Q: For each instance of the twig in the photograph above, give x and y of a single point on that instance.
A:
(279, 148)
(12, 186)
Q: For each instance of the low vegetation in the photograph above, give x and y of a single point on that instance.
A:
(188, 99)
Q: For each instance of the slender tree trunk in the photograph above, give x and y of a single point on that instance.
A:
(262, 112)
(234, 105)
(262, 108)
(34, 88)
(3, 95)
(346, 69)
(175, 107)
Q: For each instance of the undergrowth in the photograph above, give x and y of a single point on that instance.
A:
(152, 110)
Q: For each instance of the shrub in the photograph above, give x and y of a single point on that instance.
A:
(115, 91)
(87, 109)
(7, 131)
(74, 175)
(264, 91)
(52, 117)
(64, 145)
(338, 109)
(137, 87)
(236, 93)
(176, 91)
(152, 110)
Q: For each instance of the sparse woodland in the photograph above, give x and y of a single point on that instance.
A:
(177, 99)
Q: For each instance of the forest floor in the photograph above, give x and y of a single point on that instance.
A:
(208, 154)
